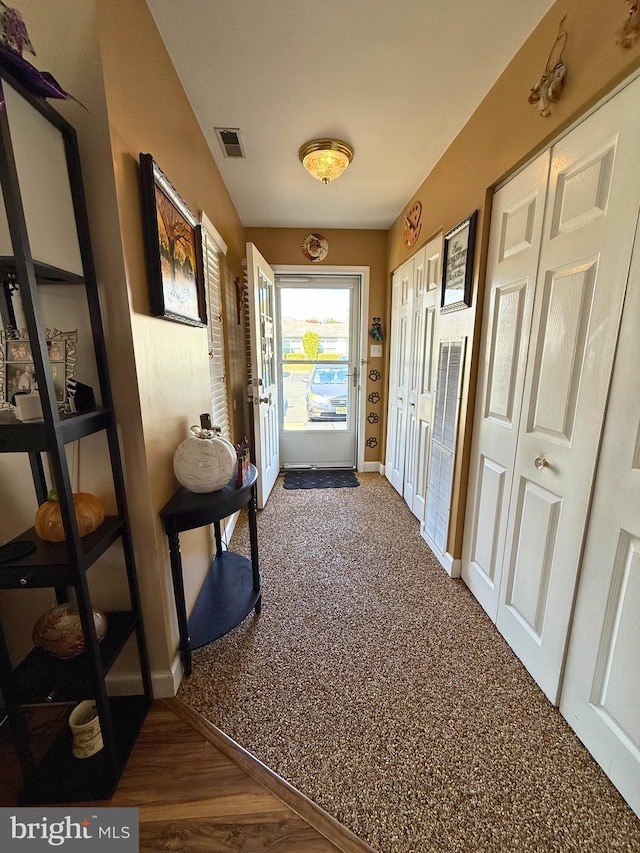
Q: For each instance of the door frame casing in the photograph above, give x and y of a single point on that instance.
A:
(364, 274)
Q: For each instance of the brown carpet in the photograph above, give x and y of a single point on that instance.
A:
(379, 688)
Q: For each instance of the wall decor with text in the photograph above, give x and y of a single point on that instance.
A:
(457, 266)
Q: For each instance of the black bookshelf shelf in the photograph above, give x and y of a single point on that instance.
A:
(18, 437)
(50, 563)
(45, 274)
(41, 677)
(59, 777)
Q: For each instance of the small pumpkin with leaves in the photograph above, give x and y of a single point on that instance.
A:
(48, 521)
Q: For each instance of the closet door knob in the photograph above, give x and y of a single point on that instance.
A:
(540, 463)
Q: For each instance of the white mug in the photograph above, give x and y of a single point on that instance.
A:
(85, 727)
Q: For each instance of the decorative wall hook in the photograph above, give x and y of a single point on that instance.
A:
(376, 329)
(548, 90)
(630, 30)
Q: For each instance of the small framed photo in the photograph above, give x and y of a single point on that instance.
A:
(173, 249)
(17, 370)
(457, 266)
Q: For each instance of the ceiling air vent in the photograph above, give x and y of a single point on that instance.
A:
(230, 141)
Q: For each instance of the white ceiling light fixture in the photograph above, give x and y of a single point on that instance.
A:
(326, 159)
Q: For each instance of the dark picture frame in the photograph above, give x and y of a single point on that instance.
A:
(457, 264)
(173, 248)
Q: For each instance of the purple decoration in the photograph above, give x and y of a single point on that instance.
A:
(37, 82)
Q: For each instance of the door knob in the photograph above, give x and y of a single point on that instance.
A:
(266, 399)
(540, 462)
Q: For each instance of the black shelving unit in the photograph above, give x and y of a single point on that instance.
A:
(39, 678)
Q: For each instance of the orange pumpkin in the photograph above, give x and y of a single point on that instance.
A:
(48, 521)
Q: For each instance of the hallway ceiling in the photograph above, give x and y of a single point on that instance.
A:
(396, 79)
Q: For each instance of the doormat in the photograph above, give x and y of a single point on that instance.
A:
(320, 480)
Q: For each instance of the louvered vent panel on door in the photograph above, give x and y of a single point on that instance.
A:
(439, 496)
(443, 441)
(213, 270)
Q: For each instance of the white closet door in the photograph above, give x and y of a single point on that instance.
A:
(592, 204)
(427, 274)
(442, 452)
(601, 689)
(402, 298)
(416, 332)
(514, 249)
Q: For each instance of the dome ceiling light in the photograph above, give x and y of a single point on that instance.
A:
(326, 159)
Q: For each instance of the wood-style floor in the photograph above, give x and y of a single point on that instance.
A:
(198, 791)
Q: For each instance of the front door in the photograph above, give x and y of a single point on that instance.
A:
(263, 390)
(317, 370)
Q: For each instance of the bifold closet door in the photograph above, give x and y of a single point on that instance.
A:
(543, 494)
(514, 250)
(422, 376)
(590, 216)
(399, 372)
(601, 689)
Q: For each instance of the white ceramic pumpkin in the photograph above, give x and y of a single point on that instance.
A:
(204, 462)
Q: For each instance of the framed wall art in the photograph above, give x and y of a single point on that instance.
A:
(17, 371)
(173, 249)
(457, 266)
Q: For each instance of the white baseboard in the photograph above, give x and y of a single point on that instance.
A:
(452, 566)
(172, 682)
(371, 468)
(164, 685)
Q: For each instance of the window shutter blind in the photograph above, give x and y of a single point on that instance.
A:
(443, 442)
(246, 317)
(213, 271)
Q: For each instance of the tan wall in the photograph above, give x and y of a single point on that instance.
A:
(109, 55)
(348, 248)
(149, 112)
(504, 132)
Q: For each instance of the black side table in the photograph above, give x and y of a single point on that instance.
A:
(233, 585)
